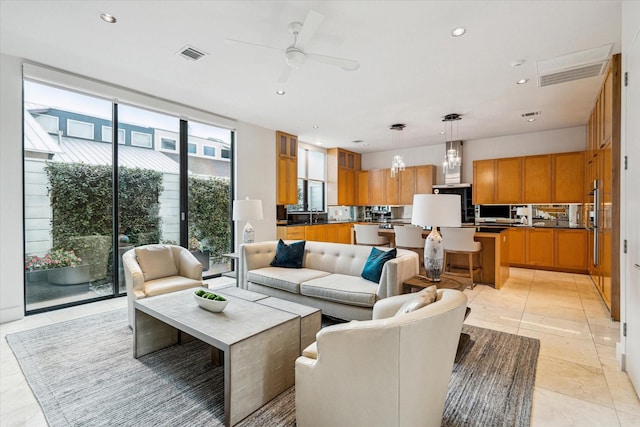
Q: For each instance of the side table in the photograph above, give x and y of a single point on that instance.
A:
(446, 282)
(234, 256)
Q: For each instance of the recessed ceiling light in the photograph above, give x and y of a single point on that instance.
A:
(517, 63)
(356, 141)
(110, 19)
(280, 92)
(522, 81)
(366, 144)
(531, 120)
(457, 32)
(442, 132)
(319, 143)
(315, 126)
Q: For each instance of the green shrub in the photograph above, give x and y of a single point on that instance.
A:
(209, 219)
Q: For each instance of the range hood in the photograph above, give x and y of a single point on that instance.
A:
(459, 185)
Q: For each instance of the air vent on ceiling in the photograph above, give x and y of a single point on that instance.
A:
(531, 114)
(191, 53)
(574, 66)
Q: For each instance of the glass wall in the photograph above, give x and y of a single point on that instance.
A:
(69, 159)
(67, 196)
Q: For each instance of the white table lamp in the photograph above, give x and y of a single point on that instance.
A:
(246, 210)
(522, 213)
(435, 210)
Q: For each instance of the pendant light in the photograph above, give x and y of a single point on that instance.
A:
(452, 158)
(397, 163)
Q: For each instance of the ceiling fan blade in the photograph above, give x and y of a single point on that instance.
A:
(345, 64)
(284, 76)
(240, 42)
(309, 27)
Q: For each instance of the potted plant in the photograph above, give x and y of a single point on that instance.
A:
(200, 252)
(62, 267)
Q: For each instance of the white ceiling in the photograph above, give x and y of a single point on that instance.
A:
(411, 69)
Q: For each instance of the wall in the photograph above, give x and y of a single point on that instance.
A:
(526, 144)
(11, 246)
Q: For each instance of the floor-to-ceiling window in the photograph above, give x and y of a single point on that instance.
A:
(71, 154)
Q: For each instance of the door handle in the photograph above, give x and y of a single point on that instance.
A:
(636, 265)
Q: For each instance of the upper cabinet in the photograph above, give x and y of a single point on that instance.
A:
(342, 166)
(362, 188)
(552, 178)
(425, 178)
(377, 186)
(287, 169)
(568, 182)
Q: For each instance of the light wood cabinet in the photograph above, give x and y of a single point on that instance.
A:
(392, 197)
(517, 246)
(484, 182)
(568, 178)
(291, 232)
(287, 169)
(343, 233)
(341, 177)
(539, 247)
(508, 180)
(536, 179)
(407, 186)
(377, 186)
(339, 233)
(425, 178)
(362, 193)
(570, 249)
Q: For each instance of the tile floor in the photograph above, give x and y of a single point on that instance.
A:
(577, 384)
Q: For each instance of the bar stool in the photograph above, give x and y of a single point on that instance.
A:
(460, 241)
(368, 235)
(410, 237)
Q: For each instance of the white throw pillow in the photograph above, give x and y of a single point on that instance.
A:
(156, 262)
(421, 299)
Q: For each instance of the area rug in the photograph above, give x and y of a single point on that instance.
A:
(83, 374)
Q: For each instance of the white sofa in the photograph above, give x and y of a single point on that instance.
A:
(330, 278)
(391, 371)
(159, 269)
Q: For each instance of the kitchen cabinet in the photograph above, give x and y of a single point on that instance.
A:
(568, 178)
(341, 177)
(539, 247)
(291, 232)
(343, 232)
(536, 179)
(570, 249)
(362, 183)
(407, 185)
(484, 182)
(287, 169)
(392, 196)
(508, 180)
(517, 246)
(425, 176)
(377, 186)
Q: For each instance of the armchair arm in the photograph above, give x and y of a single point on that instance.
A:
(397, 271)
(389, 306)
(133, 276)
(189, 266)
(253, 256)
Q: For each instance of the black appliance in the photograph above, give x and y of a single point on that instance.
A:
(467, 212)
(494, 211)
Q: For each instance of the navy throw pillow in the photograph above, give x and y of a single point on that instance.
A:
(373, 267)
(289, 256)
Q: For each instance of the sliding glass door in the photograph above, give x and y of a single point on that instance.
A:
(172, 187)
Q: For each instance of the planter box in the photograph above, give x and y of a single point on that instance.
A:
(69, 275)
(203, 258)
(36, 276)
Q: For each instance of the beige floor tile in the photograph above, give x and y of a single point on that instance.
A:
(628, 420)
(565, 348)
(551, 409)
(28, 322)
(555, 299)
(556, 326)
(604, 335)
(607, 353)
(573, 379)
(511, 329)
(622, 391)
(27, 416)
(8, 362)
(551, 310)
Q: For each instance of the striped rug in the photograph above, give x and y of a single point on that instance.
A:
(83, 374)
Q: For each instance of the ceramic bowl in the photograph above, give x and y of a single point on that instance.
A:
(211, 305)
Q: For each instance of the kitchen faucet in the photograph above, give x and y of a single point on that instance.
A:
(311, 215)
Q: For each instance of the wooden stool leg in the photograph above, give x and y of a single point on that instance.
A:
(471, 268)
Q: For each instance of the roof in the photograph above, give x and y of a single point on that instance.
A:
(36, 139)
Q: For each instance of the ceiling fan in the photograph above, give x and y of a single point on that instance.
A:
(295, 56)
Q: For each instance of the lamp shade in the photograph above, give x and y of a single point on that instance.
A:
(436, 210)
(520, 211)
(245, 210)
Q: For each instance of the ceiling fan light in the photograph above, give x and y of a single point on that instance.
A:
(295, 58)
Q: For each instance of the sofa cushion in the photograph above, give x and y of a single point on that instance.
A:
(373, 268)
(169, 284)
(156, 261)
(289, 256)
(285, 279)
(419, 300)
(341, 288)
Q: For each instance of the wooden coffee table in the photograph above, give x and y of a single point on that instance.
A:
(258, 344)
(446, 282)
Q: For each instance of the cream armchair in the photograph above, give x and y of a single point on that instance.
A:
(159, 269)
(389, 371)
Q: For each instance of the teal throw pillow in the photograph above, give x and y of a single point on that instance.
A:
(289, 256)
(373, 267)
